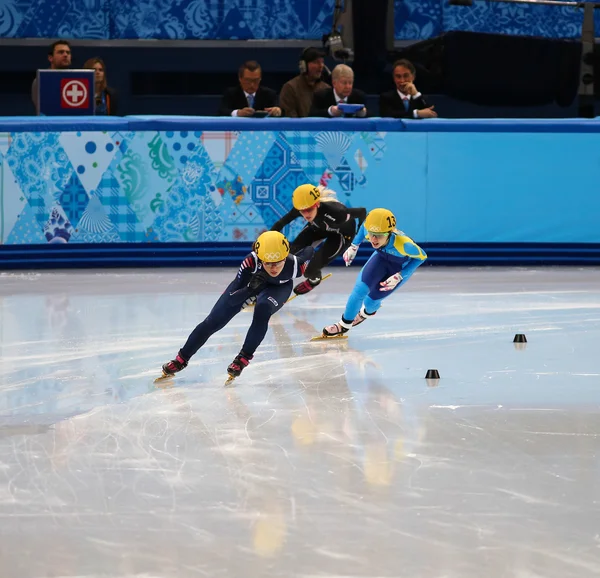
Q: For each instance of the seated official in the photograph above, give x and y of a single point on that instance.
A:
(247, 98)
(405, 101)
(297, 94)
(325, 102)
(59, 57)
(106, 96)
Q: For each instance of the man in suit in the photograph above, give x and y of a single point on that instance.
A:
(325, 102)
(405, 101)
(249, 96)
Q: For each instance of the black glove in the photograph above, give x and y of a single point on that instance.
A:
(257, 281)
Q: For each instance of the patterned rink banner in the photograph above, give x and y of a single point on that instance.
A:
(169, 186)
(166, 180)
(268, 19)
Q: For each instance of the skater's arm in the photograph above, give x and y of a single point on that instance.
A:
(409, 268)
(285, 220)
(246, 270)
(303, 258)
(359, 213)
(413, 256)
(250, 281)
(360, 236)
(335, 214)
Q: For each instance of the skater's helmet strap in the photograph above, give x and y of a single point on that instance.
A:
(272, 247)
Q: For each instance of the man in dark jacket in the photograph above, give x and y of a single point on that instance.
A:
(405, 101)
(247, 98)
(59, 57)
(297, 94)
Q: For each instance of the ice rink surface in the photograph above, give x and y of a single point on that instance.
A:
(325, 460)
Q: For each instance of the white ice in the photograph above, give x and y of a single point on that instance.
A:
(334, 459)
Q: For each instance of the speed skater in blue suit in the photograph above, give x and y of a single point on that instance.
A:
(395, 259)
(265, 279)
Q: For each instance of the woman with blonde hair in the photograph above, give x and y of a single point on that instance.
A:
(329, 224)
(105, 96)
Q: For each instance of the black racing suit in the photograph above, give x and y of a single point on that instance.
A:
(334, 223)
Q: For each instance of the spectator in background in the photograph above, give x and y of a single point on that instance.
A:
(59, 56)
(106, 100)
(247, 98)
(405, 101)
(325, 102)
(297, 94)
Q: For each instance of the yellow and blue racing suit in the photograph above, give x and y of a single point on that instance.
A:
(399, 255)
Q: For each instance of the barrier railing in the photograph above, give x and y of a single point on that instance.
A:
(150, 191)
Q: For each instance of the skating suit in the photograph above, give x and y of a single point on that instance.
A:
(399, 255)
(271, 293)
(335, 224)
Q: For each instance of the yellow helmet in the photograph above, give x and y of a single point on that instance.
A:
(305, 196)
(271, 247)
(380, 221)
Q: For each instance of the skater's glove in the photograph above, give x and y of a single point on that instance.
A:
(249, 302)
(349, 254)
(257, 281)
(391, 282)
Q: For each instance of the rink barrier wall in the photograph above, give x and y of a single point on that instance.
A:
(181, 191)
(231, 254)
(204, 123)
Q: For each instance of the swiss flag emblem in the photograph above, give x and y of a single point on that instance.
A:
(74, 93)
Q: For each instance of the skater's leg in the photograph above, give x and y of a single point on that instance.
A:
(368, 279)
(376, 295)
(307, 237)
(269, 301)
(334, 245)
(374, 299)
(222, 312)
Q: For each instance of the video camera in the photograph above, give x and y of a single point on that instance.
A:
(334, 41)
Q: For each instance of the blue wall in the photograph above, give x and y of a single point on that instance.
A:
(228, 19)
(188, 184)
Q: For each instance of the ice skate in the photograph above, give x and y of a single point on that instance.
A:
(335, 331)
(172, 367)
(361, 316)
(237, 366)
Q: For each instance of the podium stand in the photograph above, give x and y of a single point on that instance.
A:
(65, 92)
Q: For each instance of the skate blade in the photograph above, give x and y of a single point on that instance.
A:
(323, 337)
(230, 379)
(296, 295)
(163, 377)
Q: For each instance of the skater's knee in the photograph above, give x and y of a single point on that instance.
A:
(266, 307)
(313, 272)
(361, 289)
(371, 304)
